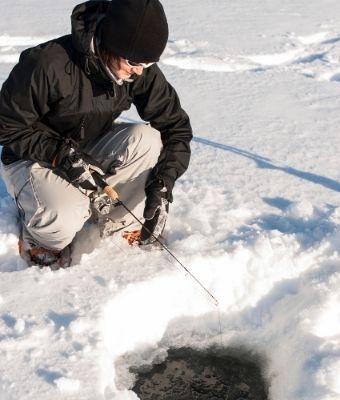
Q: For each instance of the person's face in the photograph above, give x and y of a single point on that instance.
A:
(121, 69)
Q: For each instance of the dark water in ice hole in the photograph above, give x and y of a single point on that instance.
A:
(187, 374)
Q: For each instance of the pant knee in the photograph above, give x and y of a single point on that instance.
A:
(126, 144)
(147, 141)
(56, 228)
(147, 136)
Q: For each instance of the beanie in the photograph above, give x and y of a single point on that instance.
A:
(135, 29)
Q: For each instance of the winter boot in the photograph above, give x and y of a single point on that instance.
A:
(133, 238)
(35, 255)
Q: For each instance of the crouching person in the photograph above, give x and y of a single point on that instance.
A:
(58, 111)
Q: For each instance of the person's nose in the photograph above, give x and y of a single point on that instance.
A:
(138, 70)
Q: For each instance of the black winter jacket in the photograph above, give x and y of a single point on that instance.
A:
(60, 90)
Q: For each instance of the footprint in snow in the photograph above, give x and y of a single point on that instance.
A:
(319, 51)
(64, 384)
(11, 327)
(185, 54)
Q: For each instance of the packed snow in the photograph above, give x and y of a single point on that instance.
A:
(256, 218)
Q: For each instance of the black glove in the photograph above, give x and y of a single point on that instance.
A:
(77, 167)
(155, 212)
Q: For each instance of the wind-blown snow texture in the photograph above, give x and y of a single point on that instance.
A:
(256, 217)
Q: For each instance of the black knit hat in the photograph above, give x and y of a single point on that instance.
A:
(135, 29)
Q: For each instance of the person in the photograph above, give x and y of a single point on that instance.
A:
(61, 138)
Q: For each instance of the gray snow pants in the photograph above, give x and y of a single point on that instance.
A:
(52, 210)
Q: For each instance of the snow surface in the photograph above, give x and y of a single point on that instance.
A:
(255, 218)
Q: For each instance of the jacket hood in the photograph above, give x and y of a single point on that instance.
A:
(84, 20)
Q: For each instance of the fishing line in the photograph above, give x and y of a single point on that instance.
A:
(187, 272)
(112, 194)
(165, 247)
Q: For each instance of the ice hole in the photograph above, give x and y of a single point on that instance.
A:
(203, 375)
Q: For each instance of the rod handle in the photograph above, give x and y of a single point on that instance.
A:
(111, 192)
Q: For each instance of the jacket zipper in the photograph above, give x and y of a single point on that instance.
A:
(82, 129)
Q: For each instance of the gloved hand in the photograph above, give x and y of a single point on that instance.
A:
(77, 167)
(155, 212)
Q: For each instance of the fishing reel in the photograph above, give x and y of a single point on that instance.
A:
(102, 203)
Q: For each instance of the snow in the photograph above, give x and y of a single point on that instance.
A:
(255, 218)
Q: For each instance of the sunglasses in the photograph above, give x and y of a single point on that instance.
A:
(135, 64)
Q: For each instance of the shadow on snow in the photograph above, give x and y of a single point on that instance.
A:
(262, 162)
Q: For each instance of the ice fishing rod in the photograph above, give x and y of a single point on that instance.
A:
(113, 195)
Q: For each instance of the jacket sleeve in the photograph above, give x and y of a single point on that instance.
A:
(157, 102)
(24, 100)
